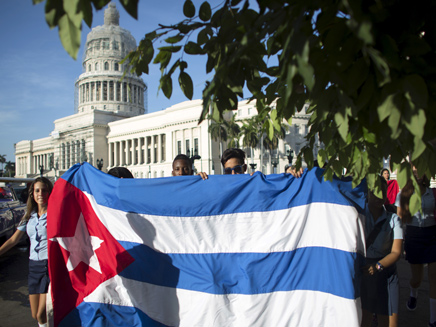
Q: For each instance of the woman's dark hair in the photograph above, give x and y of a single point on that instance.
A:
(406, 193)
(383, 170)
(31, 204)
(120, 172)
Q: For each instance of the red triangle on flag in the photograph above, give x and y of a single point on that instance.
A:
(82, 252)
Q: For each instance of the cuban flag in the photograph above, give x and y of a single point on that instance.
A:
(234, 250)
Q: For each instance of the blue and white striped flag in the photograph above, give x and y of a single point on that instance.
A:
(233, 250)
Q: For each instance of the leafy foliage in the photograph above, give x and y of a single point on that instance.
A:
(368, 69)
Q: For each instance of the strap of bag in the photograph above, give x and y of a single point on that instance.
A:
(374, 233)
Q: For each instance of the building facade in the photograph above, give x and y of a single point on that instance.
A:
(111, 126)
(104, 92)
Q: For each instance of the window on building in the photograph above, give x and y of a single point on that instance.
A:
(116, 66)
(89, 68)
(63, 156)
(187, 146)
(97, 91)
(92, 91)
(249, 111)
(116, 45)
(97, 44)
(248, 152)
(239, 112)
(124, 92)
(105, 44)
(118, 93)
(96, 66)
(111, 91)
(155, 139)
(104, 91)
(196, 150)
(106, 66)
(68, 155)
(179, 147)
(148, 149)
(87, 91)
(162, 147)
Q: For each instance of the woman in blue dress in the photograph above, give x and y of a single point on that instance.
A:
(34, 223)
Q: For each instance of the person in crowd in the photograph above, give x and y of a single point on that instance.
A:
(34, 223)
(182, 166)
(420, 241)
(393, 190)
(120, 172)
(380, 284)
(233, 161)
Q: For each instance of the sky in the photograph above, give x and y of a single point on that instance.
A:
(37, 76)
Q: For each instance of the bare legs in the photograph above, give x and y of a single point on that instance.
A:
(37, 306)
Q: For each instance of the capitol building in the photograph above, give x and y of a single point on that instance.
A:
(111, 125)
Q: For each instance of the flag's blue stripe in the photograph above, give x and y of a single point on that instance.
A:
(312, 268)
(191, 196)
(89, 314)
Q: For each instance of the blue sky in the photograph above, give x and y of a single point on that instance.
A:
(37, 75)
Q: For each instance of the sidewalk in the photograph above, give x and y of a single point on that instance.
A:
(419, 317)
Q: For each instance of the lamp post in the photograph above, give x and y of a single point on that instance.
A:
(274, 163)
(100, 163)
(290, 156)
(194, 157)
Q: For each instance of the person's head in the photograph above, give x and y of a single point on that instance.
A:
(376, 201)
(182, 165)
(385, 174)
(233, 161)
(120, 172)
(39, 192)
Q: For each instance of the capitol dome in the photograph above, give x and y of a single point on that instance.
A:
(101, 86)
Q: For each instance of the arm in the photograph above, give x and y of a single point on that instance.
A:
(11, 242)
(399, 213)
(391, 258)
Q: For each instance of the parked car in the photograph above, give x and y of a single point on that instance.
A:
(11, 212)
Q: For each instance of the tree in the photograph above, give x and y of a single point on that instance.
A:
(10, 169)
(368, 68)
(2, 159)
(250, 136)
(218, 132)
(233, 131)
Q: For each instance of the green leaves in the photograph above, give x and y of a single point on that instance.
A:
(69, 35)
(370, 78)
(188, 9)
(205, 12)
(186, 85)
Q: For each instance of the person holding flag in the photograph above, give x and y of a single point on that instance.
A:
(35, 223)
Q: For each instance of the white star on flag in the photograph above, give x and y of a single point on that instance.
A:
(81, 247)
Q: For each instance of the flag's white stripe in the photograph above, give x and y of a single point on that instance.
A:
(317, 224)
(178, 307)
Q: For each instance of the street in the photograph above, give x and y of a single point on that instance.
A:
(15, 309)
